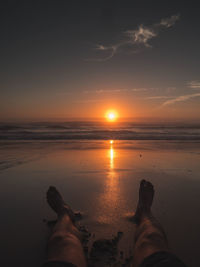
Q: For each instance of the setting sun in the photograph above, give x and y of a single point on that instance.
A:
(111, 115)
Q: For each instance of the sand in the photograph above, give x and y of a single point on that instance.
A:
(101, 180)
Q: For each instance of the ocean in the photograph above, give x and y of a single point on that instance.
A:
(98, 131)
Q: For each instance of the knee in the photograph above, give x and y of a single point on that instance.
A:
(159, 240)
(60, 239)
(56, 239)
(153, 239)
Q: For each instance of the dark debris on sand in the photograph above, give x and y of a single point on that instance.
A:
(100, 252)
(104, 252)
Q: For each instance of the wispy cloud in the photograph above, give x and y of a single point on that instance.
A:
(194, 84)
(181, 98)
(168, 22)
(102, 91)
(137, 38)
(159, 97)
(86, 101)
(111, 91)
(139, 89)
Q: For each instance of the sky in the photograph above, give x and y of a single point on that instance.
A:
(65, 60)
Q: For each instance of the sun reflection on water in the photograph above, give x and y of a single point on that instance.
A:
(111, 155)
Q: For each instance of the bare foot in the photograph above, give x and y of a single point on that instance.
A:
(57, 203)
(146, 194)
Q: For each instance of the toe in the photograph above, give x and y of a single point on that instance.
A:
(52, 189)
(53, 192)
(150, 185)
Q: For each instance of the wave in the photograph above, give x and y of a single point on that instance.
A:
(98, 131)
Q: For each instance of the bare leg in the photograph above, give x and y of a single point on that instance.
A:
(150, 236)
(64, 244)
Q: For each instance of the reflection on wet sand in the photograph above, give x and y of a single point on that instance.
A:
(109, 200)
(111, 155)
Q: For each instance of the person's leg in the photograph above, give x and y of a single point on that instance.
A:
(64, 244)
(151, 245)
(149, 237)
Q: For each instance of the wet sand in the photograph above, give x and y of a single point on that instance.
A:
(101, 180)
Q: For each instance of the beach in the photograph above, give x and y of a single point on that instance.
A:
(99, 178)
(99, 108)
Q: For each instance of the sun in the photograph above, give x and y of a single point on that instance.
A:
(111, 115)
